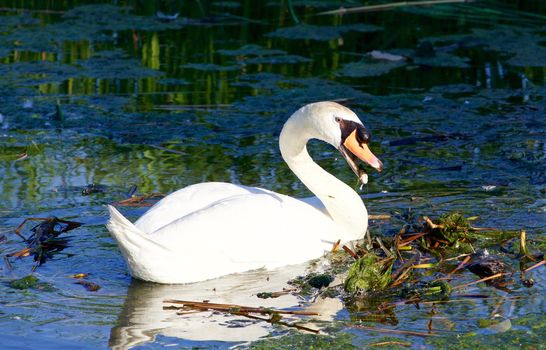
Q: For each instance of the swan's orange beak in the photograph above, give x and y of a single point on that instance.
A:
(354, 146)
(362, 151)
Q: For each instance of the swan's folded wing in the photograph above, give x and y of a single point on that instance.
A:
(188, 200)
(246, 232)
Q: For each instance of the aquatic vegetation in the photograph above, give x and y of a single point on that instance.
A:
(24, 282)
(522, 44)
(211, 67)
(43, 243)
(115, 65)
(31, 282)
(460, 123)
(369, 68)
(321, 33)
(369, 274)
(306, 341)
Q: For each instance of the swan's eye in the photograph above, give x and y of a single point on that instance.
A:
(337, 119)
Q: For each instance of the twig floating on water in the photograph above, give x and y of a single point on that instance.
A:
(245, 311)
(350, 252)
(238, 308)
(540, 263)
(500, 274)
(461, 265)
(273, 321)
(138, 201)
(379, 217)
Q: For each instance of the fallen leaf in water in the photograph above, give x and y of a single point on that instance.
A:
(90, 286)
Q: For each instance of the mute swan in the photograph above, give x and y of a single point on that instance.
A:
(212, 229)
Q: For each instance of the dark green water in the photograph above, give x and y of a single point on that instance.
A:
(215, 85)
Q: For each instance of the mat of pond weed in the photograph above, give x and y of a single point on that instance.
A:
(122, 103)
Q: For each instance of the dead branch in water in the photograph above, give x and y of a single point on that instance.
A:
(245, 311)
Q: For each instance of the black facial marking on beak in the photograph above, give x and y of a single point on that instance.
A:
(354, 147)
(348, 126)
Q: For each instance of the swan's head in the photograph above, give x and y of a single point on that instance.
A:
(341, 127)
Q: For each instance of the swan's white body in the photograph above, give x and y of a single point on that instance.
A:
(209, 230)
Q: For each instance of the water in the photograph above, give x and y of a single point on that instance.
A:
(215, 86)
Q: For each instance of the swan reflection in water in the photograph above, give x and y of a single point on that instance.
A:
(143, 318)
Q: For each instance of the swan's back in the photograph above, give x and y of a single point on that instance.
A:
(234, 234)
(188, 200)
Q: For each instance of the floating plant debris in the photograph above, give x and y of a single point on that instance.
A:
(31, 282)
(485, 265)
(414, 268)
(43, 243)
(320, 281)
(146, 200)
(24, 282)
(89, 286)
(92, 188)
(267, 295)
(369, 273)
(275, 315)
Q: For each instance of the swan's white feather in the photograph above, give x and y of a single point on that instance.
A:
(272, 230)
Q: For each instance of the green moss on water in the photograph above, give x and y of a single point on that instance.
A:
(512, 339)
(24, 283)
(320, 281)
(31, 282)
(368, 274)
(295, 340)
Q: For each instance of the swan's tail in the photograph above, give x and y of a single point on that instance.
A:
(133, 243)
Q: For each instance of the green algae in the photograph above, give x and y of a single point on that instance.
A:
(368, 68)
(294, 340)
(512, 339)
(521, 44)
(211, 67)
(321, 33)
(115, 65)
(31, 282)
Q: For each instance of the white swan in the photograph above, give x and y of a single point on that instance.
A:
(213, 229)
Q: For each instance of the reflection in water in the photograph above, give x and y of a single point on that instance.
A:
(143, 317)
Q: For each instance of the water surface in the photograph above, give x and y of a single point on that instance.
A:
(215, 86)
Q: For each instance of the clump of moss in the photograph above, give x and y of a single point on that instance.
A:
(308, 284)
(369, 274)
(24, 283)
(450, 227)
(320, 281)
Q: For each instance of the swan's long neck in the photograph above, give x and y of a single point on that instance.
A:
(342, 203)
